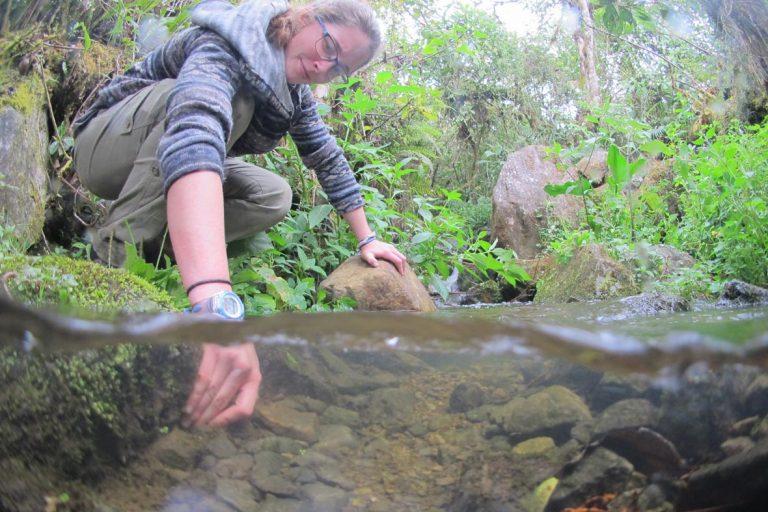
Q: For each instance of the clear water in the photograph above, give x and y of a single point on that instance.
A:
(501, 408)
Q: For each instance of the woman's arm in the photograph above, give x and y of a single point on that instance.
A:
(376, 249)
(196, 225)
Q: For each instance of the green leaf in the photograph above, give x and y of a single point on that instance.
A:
(318, 214)
(422, 237)
(618, 166)
(654, 147)
(574, 188)
(382, 77)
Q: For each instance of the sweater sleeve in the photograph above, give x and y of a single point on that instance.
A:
(320, 151)
(199, 110)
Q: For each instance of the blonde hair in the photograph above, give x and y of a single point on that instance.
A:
(346, 13)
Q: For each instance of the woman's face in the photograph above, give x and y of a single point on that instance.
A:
(320, 52)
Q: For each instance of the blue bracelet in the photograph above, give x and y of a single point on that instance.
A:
(365, 241)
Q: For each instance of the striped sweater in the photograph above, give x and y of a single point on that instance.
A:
(226, 51)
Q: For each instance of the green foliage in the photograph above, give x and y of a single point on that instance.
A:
(724, 204)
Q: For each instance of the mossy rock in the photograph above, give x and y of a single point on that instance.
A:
(23, 156)
(80, 286)
(590, 274)
(71, 415)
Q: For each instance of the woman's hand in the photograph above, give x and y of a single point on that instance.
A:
(371, 252)
(225, 374)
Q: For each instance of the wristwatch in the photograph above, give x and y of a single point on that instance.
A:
(224, 304)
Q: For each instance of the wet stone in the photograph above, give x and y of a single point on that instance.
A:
(273, 504)
(340, 416)
(757, 395)
(737, 445)
(309, 404)
(267, 463)
(221, 447)
(284, 420)
(744, 427)
(208, 462)
(333, 438)
(276, 444)
(760, 430)
(178, 450)
(551, 411)
(631, 413)
(613, 388)
(392, 408)
(466, 396)
(274, 484)
(238, 494)
(534, 447)
(332, 475)
(236, 467)
(600, 472)
(323, 498)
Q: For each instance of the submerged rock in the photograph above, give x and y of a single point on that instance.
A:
(238, 494)
(600, 472)
(631, 413)
(739, 480)
(466, 396)
(552, 411)
(590, 274)
(379, 288)
(282, 419)
(534, 447)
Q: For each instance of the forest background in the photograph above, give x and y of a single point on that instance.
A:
(429, 124)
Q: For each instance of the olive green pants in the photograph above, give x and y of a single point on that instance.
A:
(115, 158)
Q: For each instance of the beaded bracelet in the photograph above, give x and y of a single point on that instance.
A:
(365, 241)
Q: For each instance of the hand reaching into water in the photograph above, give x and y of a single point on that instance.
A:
(378, 249)
(226, 374)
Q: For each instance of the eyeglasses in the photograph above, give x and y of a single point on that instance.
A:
(328, 49)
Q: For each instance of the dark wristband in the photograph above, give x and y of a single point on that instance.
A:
(208, 281)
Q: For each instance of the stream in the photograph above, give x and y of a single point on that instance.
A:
(604, 406)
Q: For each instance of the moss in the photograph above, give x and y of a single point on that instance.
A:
(24, 94)
(590, 274)
(80, 286)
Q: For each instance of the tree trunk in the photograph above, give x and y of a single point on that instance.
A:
(585, 42)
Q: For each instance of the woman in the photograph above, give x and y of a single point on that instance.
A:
(161, 142)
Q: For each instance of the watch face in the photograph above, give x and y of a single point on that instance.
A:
(230, 306)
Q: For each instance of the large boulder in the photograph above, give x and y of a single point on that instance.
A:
(76, 415)
(23, 159)
(590, 274)
(520, 205)
(379, 288)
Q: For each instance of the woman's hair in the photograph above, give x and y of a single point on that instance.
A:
(346, 13)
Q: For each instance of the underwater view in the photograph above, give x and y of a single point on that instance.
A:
(584, 406)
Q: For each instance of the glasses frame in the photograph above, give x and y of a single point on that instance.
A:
(338, 69)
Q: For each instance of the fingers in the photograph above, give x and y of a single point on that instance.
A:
(224, 373)
(243, 407)
(226, 393)
(370, 258)
(204, 373)
(385, 251)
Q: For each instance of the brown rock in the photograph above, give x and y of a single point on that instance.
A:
(283, 420)
(379, 288)
(594, 167)
(520, 203)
